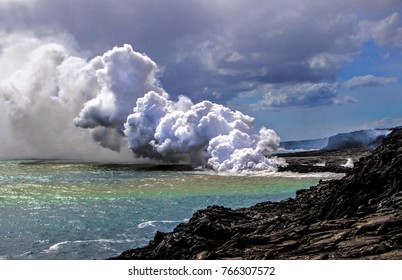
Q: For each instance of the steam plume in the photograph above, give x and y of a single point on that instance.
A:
(122, 76)
(202, 133)
(116, 97)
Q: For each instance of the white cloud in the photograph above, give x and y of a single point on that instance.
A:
(384, 123)
(221, 45)
(324, 61)
(346, 99)
(387, 31)
(300, 95)
(25, 2)
(369, 81)
(349, 99)
(215, 44)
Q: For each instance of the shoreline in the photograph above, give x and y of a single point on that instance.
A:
(356, 217)
(323, 160)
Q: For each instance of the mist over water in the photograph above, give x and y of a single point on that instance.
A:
(55, 103)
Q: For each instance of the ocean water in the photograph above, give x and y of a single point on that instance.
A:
(64, 210)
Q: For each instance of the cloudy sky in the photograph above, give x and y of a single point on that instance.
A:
(305, 68)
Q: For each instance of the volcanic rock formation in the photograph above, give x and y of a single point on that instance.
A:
(356, 217)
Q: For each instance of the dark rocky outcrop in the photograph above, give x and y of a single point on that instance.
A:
(356, 217)
(322, 160)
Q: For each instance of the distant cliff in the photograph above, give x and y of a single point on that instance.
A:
(356, 217)
(312, 144)
(370, 138)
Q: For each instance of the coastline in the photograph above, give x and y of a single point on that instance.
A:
(334, 161)
(356, 217)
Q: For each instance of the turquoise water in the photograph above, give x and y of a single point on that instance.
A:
(62, 210)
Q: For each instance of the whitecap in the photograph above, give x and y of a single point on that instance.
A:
(152, 223)
(146, 224)
(57, 246)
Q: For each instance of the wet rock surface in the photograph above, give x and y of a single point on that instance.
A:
(356, 217)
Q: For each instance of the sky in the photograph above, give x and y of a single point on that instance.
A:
(307, 69)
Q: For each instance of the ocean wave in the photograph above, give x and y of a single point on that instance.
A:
(57, 246)
(152, 223)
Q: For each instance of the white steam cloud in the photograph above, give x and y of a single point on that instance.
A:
(122, 76)
(43, 87)
(52, 93)
(203, 134)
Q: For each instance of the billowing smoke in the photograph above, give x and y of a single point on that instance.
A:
(47, 96)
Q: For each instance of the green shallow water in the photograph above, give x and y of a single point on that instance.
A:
(63, 210)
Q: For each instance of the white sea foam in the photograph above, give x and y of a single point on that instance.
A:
(153, 223)
(57, 246)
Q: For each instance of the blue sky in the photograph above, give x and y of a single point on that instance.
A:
(372, 106)
(305, 68)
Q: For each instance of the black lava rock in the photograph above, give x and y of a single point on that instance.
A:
(356, 217)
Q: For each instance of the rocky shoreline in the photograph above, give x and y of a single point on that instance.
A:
(322, 160)
(356, 217)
